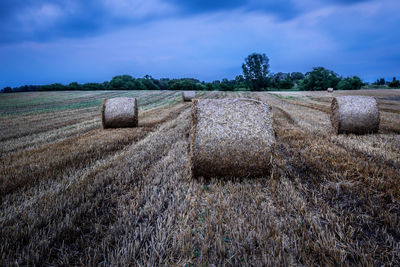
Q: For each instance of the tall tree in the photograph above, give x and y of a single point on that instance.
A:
(255, 70)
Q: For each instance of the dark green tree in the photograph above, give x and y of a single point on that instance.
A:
(240, 79)
(381, 81)
(139, 85)
(281, 80)
(287, 83)
(394, 83)
(122, 82)
(240, 83)
(73, 86)
(296, 76)
(91, 86)
(162, 83)
(53, 87)
(227, 85)
(185, 84)
(319, 79)
(350, 83)
(7, 89)
(255, 70)
(149, 83)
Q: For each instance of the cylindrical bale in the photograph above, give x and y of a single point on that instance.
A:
(119, 112)
(230, 138)
(355, 114)
(188, 95)
(330, 90)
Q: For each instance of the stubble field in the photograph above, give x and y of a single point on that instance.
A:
(72, 193)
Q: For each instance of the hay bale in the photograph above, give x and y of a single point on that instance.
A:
(188, 95)
(330, 90)
(230, 138)
(119, 112)
(355, 114)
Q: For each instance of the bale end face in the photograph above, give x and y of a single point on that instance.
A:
(192, 138)
(119, 112)
(335, 115)
(230, 138)
(103, 120)
(330, 90)
(188, 96)
(355, 114)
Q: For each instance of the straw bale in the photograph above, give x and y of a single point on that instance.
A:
(119, 112)
(330, 90)
(355, 114)
(188, 95)
(230, 138)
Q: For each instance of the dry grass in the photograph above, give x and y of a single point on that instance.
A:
(117, 197)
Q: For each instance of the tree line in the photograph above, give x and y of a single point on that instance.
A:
(256, 76)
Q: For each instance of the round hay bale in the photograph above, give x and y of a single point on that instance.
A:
(119, 112)
(188, 95)
(355, 114)
(230, 138)
(330, 90)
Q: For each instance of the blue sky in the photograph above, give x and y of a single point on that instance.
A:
(93, 40)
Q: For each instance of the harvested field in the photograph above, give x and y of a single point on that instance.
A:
(72, 193)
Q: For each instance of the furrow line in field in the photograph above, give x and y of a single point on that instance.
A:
(57, 135)
(88, 206)
(27, 168)
(344, 181)
(44, 126)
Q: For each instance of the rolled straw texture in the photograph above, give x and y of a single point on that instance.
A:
(330, 90)
(230, 138)
(119, 112)
(355, 114)
(188, 95)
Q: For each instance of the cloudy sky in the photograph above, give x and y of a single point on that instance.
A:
(47, 41)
